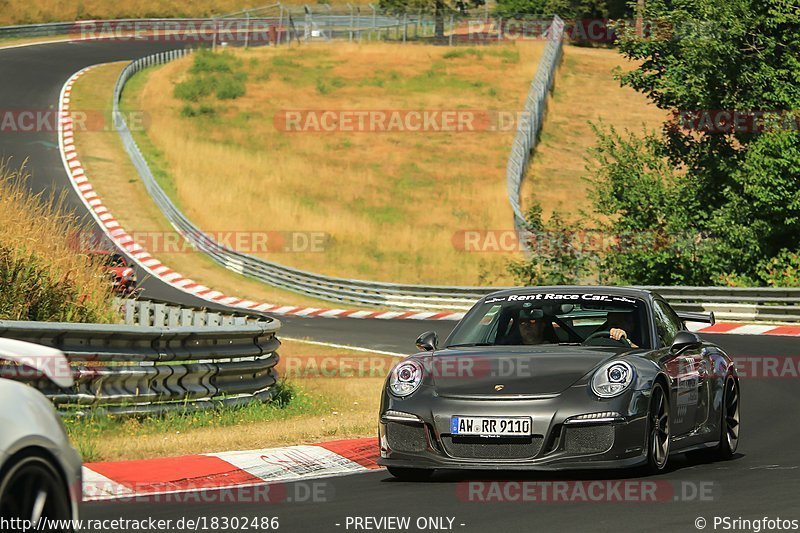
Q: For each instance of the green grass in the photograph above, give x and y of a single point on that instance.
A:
(508, 56)
(154, 157)
(212, 73)
(84, 431)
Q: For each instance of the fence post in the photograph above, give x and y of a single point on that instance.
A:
(450, 42)
(246, 29)
(280, 24)
(352, 21)
(214, 37)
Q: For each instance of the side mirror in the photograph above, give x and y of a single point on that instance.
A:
(683, 340)
(428, 341)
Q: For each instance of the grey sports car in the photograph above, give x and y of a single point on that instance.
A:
(553, 378)
(40, 472)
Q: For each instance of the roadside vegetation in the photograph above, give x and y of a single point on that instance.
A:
(585, 92)
(712, 195)
(44, 275)
(117, 183)
(391, 203)
(325, 394)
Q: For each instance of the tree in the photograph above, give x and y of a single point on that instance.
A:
(566, 9)
(438, 8)
(555, 257)
(736, 189)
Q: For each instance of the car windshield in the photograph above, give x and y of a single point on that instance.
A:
(530, 318)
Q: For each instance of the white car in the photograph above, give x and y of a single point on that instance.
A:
(40, 472)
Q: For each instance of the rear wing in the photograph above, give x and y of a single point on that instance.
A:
(706, 318)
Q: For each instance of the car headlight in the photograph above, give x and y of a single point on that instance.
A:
(405, 378)
(612, 379)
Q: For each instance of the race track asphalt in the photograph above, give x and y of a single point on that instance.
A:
(761, 481)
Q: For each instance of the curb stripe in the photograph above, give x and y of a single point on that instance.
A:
(154, 267)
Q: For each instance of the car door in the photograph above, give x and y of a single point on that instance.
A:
(683, 370)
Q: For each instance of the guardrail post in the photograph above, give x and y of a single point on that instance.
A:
(159, 315)
(174, 316)
(144, 313)
(130, 312)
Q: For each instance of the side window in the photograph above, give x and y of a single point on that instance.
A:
(667, 322)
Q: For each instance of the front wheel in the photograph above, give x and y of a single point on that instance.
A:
(410, 474)
(658, 431)
(32, 490)
(729, 422)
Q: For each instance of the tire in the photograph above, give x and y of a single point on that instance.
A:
(729, 422)
(658, 430)
(410, 474)
(49, 498)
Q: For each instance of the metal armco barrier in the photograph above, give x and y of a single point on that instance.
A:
(390, 295)
(744, 304)
(529, 127)
(736, 303)
(149, 312)
(125, 370)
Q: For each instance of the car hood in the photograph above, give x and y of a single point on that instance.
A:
(512, 370)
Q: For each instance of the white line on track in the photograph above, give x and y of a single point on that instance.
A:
(342, 346)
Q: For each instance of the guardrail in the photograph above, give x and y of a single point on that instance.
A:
(151, 312)
(728, 303)
(754, 304)
(527, 135)
(348, 291)
(125, 370)
(290, 22)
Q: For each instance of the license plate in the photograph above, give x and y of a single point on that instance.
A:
(491, 426)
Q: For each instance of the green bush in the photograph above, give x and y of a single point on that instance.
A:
(194, 88)
(207, 62)
(230, 87)
(783, 270)
(189, 111)
(211, 73)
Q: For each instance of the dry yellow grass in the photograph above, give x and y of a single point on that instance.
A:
(115, 179)
(391, 202)
(585, 91)
(28, 12)
(333, 407)
(44, 273)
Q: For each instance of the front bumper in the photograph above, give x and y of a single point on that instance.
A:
(559, 442)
